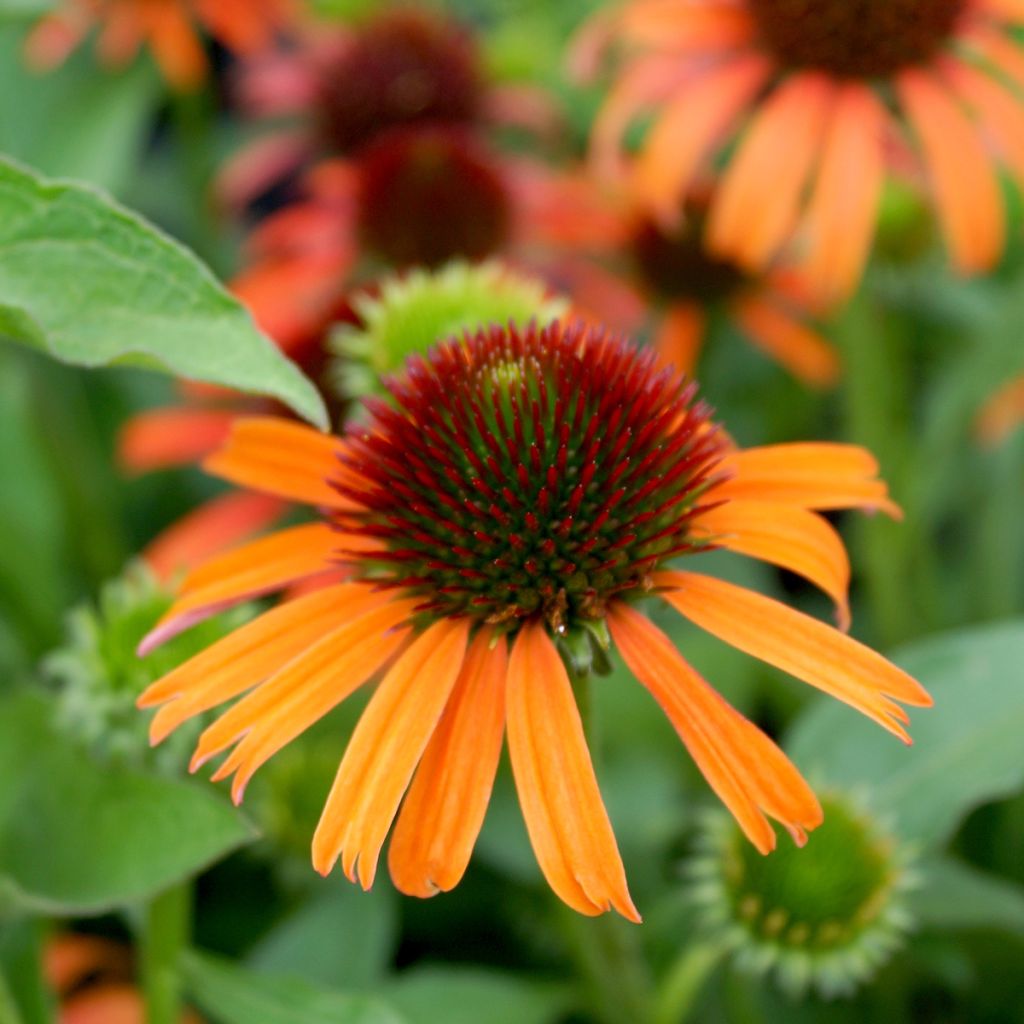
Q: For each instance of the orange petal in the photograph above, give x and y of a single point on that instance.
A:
(251, 653)
(302, 692)
(999, 111)
(69, 959)
(784, 535)
(966, 188)
(249, 571)
(811, 475)
(177, 50)
(281, 457)
(843, 208)
(749, 773)
(797, 644)
(1002, 413)
(445, 806)
(996, 48)
(755, 207)
(384, 750)
(1009, 10)
(680, 336)
(171, 437)
(209, 529)
(700, 112)
(671, 25)
(799, 349)
(565, 816)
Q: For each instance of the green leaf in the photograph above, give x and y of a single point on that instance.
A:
(955, 895)
(233, 995)
(76, 838)
(967, 748)
(91, 283)
(344, 939)
(461, 995)
(24, 8)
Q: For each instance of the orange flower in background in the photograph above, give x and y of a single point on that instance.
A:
(500, 518)
(824, 96)
(168, 27)
(1002, 413)
(646, 266)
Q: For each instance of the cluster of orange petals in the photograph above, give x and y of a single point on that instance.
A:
(814, 147)
(433, 729)
(168, 27)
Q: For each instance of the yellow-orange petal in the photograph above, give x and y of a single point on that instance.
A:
(252, 652)
(302, 692)
(816, 475)
(209, 529)
(565, 816)
(798, 348)
(680, 336)
(384, 750)
(690, 125)
(744, 767)
(966, 188)
(281, 457)
(249, 571)
(797, 644)
(175, 436)
(755, 206)
(843, 209)
(788, 536)
(444, 809)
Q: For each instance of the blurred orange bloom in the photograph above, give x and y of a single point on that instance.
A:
(168, 27)
(1002, 413)
(498, 519)
(821, 97)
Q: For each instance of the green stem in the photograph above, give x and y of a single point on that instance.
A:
(8, 1010)
(999, 554)
(876, 407)
(24, 994)
(684, 982)
(192, 113)
(164, 938)
(608, 957)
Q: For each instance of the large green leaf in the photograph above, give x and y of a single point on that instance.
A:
(967, 749)
(79, 838)
(954, 895)
(91, 283)
(233, 995)
(342, 937)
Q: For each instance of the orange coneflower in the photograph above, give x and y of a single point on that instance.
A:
(833, 90)
(167, 26)
(501, 517)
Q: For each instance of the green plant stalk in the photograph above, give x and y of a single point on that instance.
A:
(8, 1011)
(192, 114)
(165, 937)
(999, 535)
(684, 982)
(876, 408)
(24, 995)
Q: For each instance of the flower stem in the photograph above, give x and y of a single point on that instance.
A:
(24, 994)
(164, 938)
(684, 982)
(608, 957)
(876, 406)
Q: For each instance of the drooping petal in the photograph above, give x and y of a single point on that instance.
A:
(302, 692)
(812, 475)
(790, 343)
(843, 208)
(674, 26)
(176, 436)
(1010, 10)
(797, 644)
(565, 816)
(384, 750)
(680, 336)
(995, 48)
(175, 47)
(280, 457)
(252, 570)
(755, 207)
(787, 536)
(747, 771)
(999, 112)
(445, 806)
(251, 653)
(963, 179)
(210, 529)
(699, 114)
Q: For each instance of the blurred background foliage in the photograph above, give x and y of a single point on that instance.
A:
(93, 845)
